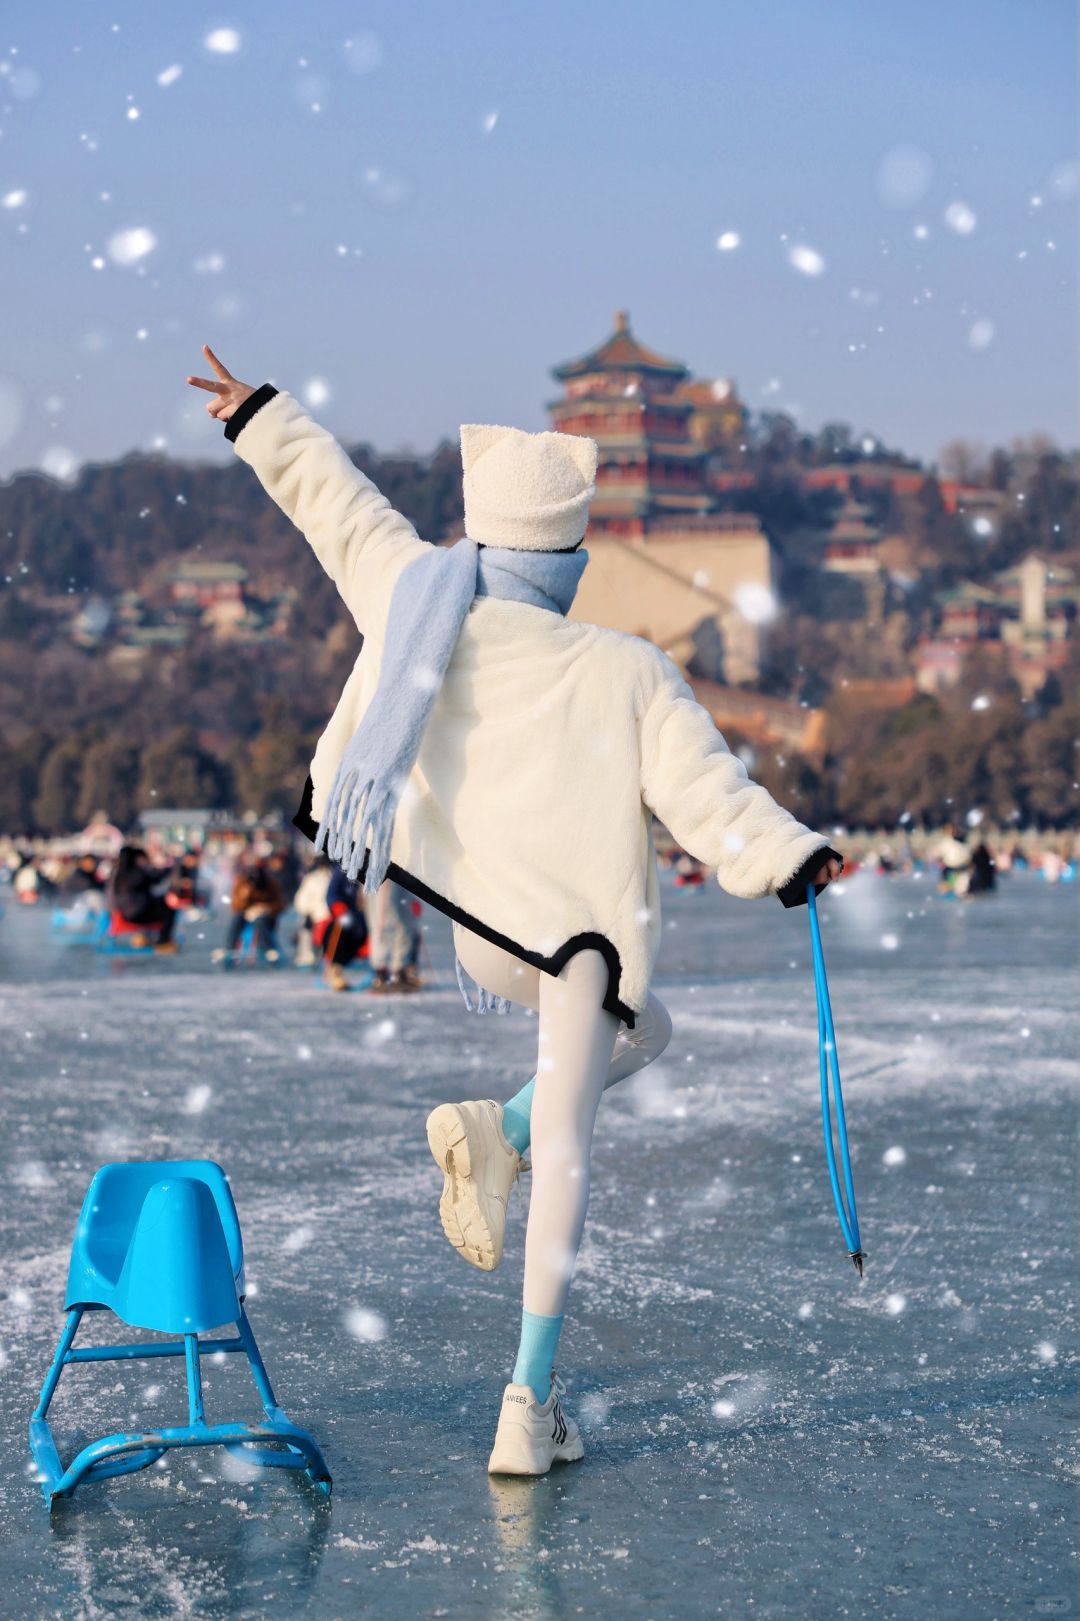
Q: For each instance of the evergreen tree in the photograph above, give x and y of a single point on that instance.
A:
(109, 779)
(57, 800)
(177, 771)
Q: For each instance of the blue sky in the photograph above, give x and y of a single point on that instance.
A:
(511, 174)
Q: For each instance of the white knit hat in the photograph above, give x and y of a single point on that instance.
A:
(529, 491)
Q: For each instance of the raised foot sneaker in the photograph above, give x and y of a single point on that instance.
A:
(480, 1167)
(533, 1435)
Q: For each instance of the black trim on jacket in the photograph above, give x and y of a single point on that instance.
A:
(588, 941)
(794, 891)
(244, 413)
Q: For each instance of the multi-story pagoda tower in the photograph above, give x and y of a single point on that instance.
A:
(665, 562)
(651, 466)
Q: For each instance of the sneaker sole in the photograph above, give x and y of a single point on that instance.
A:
(463, 1219)
(509, 1459)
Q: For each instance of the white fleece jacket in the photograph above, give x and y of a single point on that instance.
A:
(527, 815)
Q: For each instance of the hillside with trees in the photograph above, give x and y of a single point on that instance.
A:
(102, 712)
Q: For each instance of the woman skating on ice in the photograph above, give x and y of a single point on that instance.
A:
(502, 763)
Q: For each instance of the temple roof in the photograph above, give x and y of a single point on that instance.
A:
(621, 352)
(850, 523)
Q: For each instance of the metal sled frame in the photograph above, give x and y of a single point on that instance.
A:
(276, 1443)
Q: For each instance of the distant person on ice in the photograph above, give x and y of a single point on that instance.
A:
(502, 762)
(135, 892)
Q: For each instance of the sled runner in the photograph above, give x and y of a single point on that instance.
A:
(158, 1244)
(117, 937)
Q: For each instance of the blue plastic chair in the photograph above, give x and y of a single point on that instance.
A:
(158, 1244)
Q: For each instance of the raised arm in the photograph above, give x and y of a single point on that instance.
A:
(359, 539)
(701, 792)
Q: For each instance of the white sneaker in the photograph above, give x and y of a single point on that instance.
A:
(533, 1435)
(480, 1167)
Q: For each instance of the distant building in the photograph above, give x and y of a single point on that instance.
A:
(865, 475)
(665, 562)
(196, 583)
(719, 421)
(853, 545)
(1028, 613)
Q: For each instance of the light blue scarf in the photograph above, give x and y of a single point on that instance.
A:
(427, 609)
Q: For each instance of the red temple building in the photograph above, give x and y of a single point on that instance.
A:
(666, 563)
(852, 545)
(636, 405)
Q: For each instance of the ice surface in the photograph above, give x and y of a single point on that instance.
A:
(764, 1434)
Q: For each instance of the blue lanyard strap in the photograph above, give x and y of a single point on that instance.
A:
(849, 1220)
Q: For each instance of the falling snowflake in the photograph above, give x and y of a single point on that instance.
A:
(170, 74)
(129, 246)
(380, 1033)
(60, 463)
(895, 1156)
(960, 218)
(889, 942)
(489, 121)
(298, 1239)
(223, 41)
(197, 1098)
(14, 199)
(808, 261)
(981, 335)
(895, 1304)
(756, 603)
(366, 1325)
(723, 1409)
(982, 701)
(209, 264)
(315, 392)
(728, 241)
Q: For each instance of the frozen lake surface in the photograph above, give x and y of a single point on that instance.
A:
(765, 1435)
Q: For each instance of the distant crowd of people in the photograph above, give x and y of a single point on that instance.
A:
(146, 891)
(966, 862)
(260, 879)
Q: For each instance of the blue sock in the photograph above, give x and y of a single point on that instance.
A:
(516, 1117)
(536, 1353)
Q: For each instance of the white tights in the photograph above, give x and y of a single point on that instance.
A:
(582, 1050)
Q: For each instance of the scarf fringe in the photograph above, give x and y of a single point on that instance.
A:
(350, 812)
(486, 1001)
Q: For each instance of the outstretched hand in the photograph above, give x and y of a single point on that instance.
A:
(230, 392)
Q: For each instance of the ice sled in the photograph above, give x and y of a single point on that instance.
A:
(118, 937)
(158, 1245)
(78, 922)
